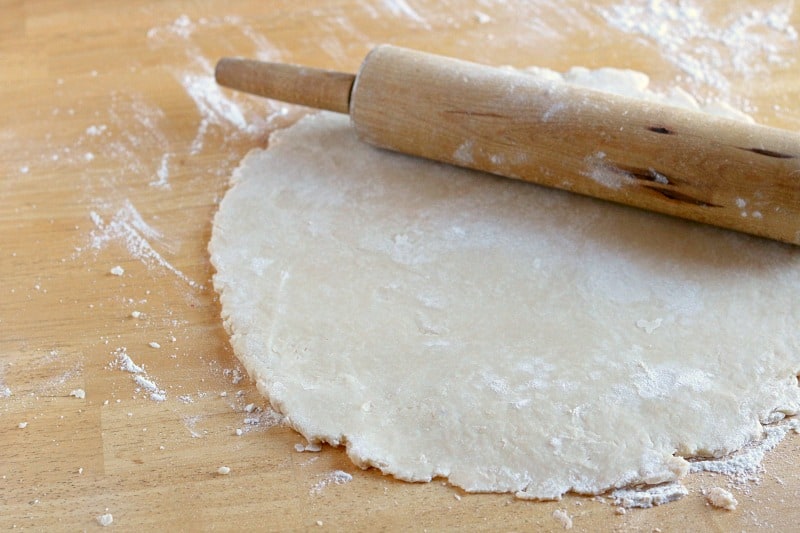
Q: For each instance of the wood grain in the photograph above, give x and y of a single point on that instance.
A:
(115, 147)
(664, 159)
(316, 88)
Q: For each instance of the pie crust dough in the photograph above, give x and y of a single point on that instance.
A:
(510, 338)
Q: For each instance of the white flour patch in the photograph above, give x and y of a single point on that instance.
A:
(746, 464)
(748, 42)
(403, 8)
(263, 419)
(156, 393)
(235, 113)
(646, 497)
(605, 173)
(5, 391)
(78, 393)
(162, 174)
(96, 131)
(123, 362)
(128, 227)
(190, 422)
(60, 379)
(337, 477)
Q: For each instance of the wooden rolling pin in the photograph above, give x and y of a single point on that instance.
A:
(684, 163)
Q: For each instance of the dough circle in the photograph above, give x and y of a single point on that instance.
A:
(441, 322)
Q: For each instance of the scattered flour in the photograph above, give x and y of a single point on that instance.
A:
(128, 226)
(745, 465)
(162, 174)
(721, 498)
(78, 393)
(95, 131)
(646, 497)
(749, 41)
(238, 114)
(337, 477)
(740, 467)
(124, 362)
(5, 391)
(156, 393)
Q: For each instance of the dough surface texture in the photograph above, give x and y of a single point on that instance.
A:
(441, 322)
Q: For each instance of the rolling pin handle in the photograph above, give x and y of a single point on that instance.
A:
(318, 88)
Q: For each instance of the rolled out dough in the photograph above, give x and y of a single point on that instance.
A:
(441, 322)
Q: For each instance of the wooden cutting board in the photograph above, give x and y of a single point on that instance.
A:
(115, 147)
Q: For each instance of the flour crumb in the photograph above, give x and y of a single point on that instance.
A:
(237, 376)
(238, 432)
(223, 471)
(249, 408)
(95, 131)
(78, 393)
(136, 314)
(80, 471)
(620, 511)
(721, 498)
(337, 477)
(117, 271)
(481, 17)
(156, 394)
(125, 363)
(22, 425)
(299, 448)
(154, 344)
(563, 518)
(319, 523)
(105, 519)
(457, 497)
(644, 498)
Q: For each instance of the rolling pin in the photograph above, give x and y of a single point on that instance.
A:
(660, 158)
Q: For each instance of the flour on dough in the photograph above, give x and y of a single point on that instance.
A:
(441, 322)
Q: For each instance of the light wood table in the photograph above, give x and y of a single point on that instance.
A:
(115, 148)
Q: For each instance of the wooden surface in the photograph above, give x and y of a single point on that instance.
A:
(115, 147)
